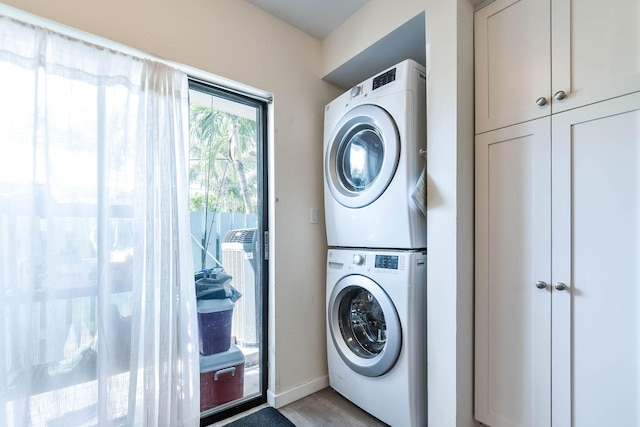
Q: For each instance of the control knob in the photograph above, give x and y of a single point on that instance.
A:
(358, 259)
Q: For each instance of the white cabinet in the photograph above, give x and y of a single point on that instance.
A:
(595, 50)
(537, 57)
(513, 252)
(596, 253)
(557, 213)
(512, 62)
(557, 269)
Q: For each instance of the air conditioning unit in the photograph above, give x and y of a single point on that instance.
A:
(239, 260)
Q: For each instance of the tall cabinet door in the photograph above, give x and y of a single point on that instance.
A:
(596, 258)
(596, 50)
(513, 298)
(512, 62)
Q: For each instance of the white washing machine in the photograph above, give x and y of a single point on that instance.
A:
(374, 138)
(377, 332)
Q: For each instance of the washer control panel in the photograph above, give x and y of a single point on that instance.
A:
(368, 261)
(387, 261)
(363, 260)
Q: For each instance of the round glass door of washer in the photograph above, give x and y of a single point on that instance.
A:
(364, 326)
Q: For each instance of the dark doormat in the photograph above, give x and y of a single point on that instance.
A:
(266, 417)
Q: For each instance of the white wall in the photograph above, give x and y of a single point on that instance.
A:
(372, 22)
(450, 212)
(238, 41)
(449, 37)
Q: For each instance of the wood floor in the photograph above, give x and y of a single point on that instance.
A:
(325, 408)
(328, 408)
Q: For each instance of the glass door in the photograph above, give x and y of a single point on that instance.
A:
(228, 227)
(364, 325)
(362, 156)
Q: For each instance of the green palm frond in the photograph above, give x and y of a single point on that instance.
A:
(222, 161)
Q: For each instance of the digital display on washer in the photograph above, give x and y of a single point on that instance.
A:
(387, 261)
(384, 79)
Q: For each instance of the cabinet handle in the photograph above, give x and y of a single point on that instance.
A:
(561, 286)
(541, 285)
(541, 102)
(559, 95)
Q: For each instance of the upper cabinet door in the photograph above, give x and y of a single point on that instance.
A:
(512, 63)
(595, 51)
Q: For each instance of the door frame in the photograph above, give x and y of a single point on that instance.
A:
(262, 215)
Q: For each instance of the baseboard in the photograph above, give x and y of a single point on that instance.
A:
(296, 393)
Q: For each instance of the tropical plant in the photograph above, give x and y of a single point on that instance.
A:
(223, 153)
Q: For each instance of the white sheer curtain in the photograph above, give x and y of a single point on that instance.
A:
(97, 301)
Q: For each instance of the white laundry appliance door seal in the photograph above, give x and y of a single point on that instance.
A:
(362, 156)
(364, 325)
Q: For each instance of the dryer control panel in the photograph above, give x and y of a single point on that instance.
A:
(384, 79)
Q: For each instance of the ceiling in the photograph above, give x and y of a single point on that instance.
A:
(315, 17)
(406, 41)
(320, 17)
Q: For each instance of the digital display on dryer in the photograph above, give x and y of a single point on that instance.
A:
(387, 261)
(384, 79)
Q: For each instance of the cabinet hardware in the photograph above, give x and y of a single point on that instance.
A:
(560, 286)
(541, 102)
(541, 285)
(559, 95)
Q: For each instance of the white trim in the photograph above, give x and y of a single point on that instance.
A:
(75, 33)
(296, 393)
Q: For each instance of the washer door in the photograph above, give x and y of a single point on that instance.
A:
(364, 325)
(362, 156)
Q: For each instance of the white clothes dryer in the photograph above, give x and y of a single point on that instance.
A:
(377, 332)
(374, 136)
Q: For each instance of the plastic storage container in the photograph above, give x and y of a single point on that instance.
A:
(214, 324)
(221, 378)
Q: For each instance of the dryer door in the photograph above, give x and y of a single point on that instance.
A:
(364, 325)
(362, 156)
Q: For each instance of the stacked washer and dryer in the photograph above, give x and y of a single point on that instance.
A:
(374, 138)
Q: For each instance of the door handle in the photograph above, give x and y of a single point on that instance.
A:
(541, 285)
(560, 95)
(561, 286)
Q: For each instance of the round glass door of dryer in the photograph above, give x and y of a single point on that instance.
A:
(362, 156)
(364, 326)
